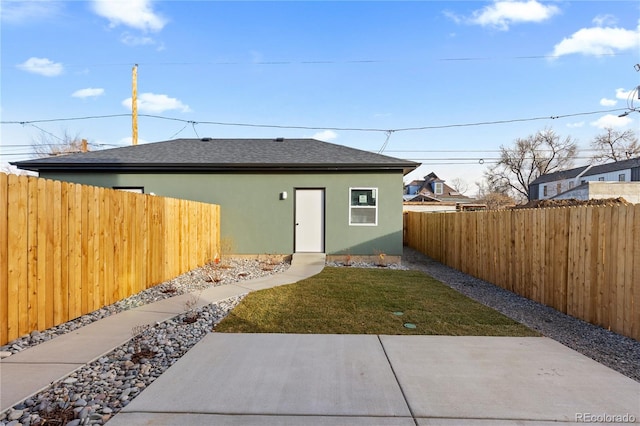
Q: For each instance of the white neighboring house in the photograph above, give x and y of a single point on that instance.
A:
(610, 180)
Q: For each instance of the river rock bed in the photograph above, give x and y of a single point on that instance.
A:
(210, 275)
(94, 393)
(97, 391)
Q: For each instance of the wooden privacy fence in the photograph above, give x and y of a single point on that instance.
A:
(583, 261)
(69, 249)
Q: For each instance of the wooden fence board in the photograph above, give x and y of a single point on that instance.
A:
(618, 285)
(629, 260)
(108, 263)
(50, 243)
(4, 257)
(64, 253)
(17, 252)
(56, 283)
(33, 253)
(635, 291)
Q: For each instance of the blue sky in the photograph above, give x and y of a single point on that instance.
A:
(321, 69)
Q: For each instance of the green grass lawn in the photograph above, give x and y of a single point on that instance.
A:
(367, 301)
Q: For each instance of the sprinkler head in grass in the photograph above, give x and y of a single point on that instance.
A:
(409, 325)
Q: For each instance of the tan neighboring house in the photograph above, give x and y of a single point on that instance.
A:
(610, 180)
(432, 194)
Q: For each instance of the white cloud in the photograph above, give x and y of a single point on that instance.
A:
(502, 14)
(150, 102)
(612, 121)
(325, 135)
(25, 12)
(608, 102)
(598, 41)
(137, 14)
(88, 93)
(576, 125)
(623, 94)
(133, 41)
(42, 66)
(602, 20)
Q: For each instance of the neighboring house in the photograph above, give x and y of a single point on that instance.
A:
(277, 196)
(434, 195)
(579, 182)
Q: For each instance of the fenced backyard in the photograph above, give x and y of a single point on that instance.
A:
(583, 261)
(68, 249)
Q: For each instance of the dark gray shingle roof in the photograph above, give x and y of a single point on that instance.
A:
(595, 170)
(223, 155)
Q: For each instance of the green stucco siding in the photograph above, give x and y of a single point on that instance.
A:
(258, 222)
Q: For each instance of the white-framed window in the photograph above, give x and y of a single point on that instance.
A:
(363, 206)
(136, 189)
(601, 179)
(621, 177)
(544, 190)
(438, 188)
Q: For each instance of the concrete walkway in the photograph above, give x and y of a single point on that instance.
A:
(28, 372)
(278, 379)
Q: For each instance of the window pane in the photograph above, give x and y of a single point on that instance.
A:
(363, 197)
(363, 215)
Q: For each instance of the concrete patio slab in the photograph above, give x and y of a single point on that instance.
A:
(279, 375)
(505, 378)
(16, 380)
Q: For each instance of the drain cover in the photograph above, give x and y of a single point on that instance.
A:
(409, 325)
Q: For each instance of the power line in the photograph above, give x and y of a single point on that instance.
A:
(336, 128)
(327, 61)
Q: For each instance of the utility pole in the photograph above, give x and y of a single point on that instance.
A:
(84, 147)
(134, 105)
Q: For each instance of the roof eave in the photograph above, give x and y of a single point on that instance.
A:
(181, 167)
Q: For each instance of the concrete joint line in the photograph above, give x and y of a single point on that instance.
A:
(395, 376)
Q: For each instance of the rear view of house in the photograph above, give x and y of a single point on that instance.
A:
(277, 196)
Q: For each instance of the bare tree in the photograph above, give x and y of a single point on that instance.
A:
(528, 158)
(47, 144)
(615, 146)
(459, 185)
(493, 199)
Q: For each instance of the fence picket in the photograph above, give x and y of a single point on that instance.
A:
(4, 257)
(32, 256)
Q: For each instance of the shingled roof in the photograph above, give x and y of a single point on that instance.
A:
(183, 155)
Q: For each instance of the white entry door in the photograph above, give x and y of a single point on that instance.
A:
(309, 217)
